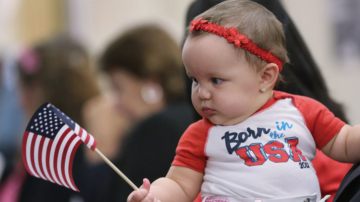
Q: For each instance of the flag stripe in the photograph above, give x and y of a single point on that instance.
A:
(79, 131)
(40, 150)
(87, 137)
(91, 141)
(71, 149)
(64, 148)
(56, 157)
(48, 156)
(36, 155)
(44, 162)
(53, 156)
(72, 160)
(94, 145)
(24, 151)
(30, 154)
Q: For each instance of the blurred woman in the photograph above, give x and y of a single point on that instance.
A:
(145, 68)
(56, 71)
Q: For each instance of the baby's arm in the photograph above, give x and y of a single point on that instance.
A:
(180, 184)
(345, 146)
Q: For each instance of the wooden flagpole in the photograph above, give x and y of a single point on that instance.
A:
(116, 169)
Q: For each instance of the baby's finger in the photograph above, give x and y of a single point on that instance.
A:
(146, 184)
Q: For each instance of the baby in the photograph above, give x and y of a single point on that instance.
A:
(253, 143)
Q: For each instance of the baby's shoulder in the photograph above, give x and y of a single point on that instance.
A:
(300, 101)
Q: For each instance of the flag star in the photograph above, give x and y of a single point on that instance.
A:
(39, 114)
(51, 125)
(37, 128)
(35, 120)
(36, 124)
(67, 117)
(50, 121)
(52, 133)
(44, 115)
(45, 120)
(42, 130)
(72, 121)
(44, 112)
(52, 129)
(50, 118)
(45, 124)
(41, 126)
(44, 108)
(40, 122)
(32, 127)
(46, 128)
(56, 127)
(40, 118)
(47, 132)
(55, 120)
(55, 124)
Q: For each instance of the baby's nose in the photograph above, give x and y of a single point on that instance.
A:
(204, 94)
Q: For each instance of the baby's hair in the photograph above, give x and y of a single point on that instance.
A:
(254, 21)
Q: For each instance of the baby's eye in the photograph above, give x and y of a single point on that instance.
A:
(216, 80)
(194, 80)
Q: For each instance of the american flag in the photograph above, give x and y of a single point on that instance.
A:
(49, 145)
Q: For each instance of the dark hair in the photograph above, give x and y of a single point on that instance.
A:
(61, 67)
(147, 52)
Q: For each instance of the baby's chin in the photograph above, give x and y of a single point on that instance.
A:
(221, 121)
(216, 120)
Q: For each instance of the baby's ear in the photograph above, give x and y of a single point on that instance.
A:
(268, 76)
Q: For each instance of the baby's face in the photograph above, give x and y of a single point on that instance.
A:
(225, 87)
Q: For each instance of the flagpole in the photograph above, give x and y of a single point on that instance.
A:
(116, 169)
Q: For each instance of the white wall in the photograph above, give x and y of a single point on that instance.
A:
(96, 22)
(314, 21)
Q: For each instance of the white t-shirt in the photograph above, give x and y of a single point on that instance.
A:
(266, 156)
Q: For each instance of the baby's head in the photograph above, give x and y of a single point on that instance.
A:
(229, 80)
(252, 20)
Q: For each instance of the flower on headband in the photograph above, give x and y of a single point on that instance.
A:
(195, 24)
(29, 61)
(236, 38)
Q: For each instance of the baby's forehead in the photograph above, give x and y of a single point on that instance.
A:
(210, 44)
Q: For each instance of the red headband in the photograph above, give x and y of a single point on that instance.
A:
(232, 35)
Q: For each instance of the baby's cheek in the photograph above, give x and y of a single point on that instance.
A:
(235, 107)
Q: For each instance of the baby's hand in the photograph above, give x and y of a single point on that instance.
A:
(142, 194)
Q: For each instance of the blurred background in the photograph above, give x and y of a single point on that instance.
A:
(331, 30)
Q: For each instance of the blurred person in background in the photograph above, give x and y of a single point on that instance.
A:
(55, 71)
(301, 77)
(11, 114)
(145, 68)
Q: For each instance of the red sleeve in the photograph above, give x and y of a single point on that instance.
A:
(190, 151)
(320, 121)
